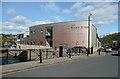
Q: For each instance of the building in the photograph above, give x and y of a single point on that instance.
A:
(22, 36)
(70, 34)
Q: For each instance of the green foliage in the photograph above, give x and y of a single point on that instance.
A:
(109, 38)
(8, 40)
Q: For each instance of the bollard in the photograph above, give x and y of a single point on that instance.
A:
(40, 56)
(91, 50)
(99, 51)
(69, 53)
(61, 51)
(88, 52)
(30, 55)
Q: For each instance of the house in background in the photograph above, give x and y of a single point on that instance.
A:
(22, 36)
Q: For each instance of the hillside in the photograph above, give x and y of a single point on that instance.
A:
(109, 38)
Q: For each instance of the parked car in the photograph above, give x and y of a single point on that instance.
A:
(108, 49)
(79, 49)
(115, 47)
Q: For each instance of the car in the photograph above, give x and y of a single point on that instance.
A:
(79, 49)
(108, 49)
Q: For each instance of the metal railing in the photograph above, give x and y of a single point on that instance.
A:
(23, 55)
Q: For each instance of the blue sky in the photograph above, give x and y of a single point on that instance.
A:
(19, 16)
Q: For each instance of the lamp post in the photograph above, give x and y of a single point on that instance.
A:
(89, 35)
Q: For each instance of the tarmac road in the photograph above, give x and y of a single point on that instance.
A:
(103, 66)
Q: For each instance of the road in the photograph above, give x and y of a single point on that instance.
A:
(102, 66)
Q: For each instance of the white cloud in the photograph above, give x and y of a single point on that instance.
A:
(87, 8)
(107, 13)
(76, 5)
(10, 11)
(58, 19)
(66, 11)
(15, 28)
(102, 22)
(0, 24)
(24, 21)
(19, 19)
(20, 23)
(12, 27)
(102, 12)
(109, 33)
(39, 22)
(50, 7)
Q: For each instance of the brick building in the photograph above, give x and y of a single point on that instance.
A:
(71, 34)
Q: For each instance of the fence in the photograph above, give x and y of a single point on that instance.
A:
(22, 55)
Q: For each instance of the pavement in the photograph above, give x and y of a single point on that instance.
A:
(6, 69)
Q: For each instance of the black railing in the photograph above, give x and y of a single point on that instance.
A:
(23, 55)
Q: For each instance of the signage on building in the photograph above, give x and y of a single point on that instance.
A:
(77, 27)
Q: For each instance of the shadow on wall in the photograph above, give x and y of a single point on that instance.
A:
(23, 56)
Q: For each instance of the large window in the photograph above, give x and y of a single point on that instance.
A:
(49, 36)
(19, 36)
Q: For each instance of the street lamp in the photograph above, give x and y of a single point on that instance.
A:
(89, 34)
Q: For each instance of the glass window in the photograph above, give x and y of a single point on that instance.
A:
(34, 32)
(20, 36)
(41, 31)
